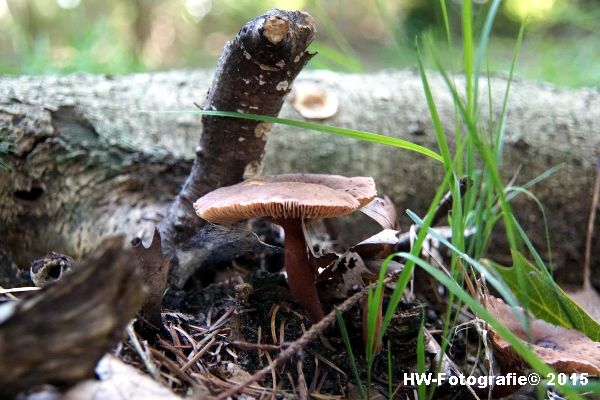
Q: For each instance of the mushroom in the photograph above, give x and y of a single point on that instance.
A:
(314, 102)
(289, 200)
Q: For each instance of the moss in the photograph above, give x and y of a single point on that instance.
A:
(7, 146)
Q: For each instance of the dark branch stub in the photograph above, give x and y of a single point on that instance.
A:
(254, 74)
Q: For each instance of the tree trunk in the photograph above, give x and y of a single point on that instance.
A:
(94, 155)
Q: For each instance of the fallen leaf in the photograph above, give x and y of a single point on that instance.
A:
(383, 211)
(378, 246)
(393, 267)
(545, 299)
(390, 241)
(347, 275)
(565, 350)
(588, 299)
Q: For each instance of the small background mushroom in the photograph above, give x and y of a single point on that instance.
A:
(314, 102)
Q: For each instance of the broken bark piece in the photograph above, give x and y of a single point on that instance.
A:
(381, 245)
(254, 74)
(58, 335)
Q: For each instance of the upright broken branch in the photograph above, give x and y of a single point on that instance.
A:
(255, 72)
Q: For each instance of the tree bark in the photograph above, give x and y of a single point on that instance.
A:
(92, 155)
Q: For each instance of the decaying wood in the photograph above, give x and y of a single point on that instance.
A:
(88, 161)
(58, 335)
(254, 74)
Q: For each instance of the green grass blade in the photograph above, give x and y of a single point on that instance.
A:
(515, 190)
(351, 133)
(446, 23)
(502, 125)
(467, 30)
(421, 389)
(493, 280)
(374, 306)
(488, 160)
(353, 365)
(406, 273)
(435, 117)
(483, 45)
(545, 175)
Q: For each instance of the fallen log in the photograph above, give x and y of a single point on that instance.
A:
(93, 155)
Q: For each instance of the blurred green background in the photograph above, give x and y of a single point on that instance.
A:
(562, 43)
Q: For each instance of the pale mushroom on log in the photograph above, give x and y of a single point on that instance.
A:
(289, 200)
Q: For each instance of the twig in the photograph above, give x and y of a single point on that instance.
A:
(273, 322)
(296, 346)
(200, 353)
(146, 359)
(327, 362)
(302, 389)
(18, 290)
(590, 230)
(254, 346)
(445, 204)
(267, 51)
(273, 377)
(172, 366)
(8, 293)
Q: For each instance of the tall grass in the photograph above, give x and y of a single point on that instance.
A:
(486, 202)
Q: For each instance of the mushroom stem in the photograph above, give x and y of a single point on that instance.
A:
(301, 279)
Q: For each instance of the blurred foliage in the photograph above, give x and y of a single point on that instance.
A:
(120, 36)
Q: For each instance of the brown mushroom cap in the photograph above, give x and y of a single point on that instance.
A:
(306, 196)
(362, 188)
